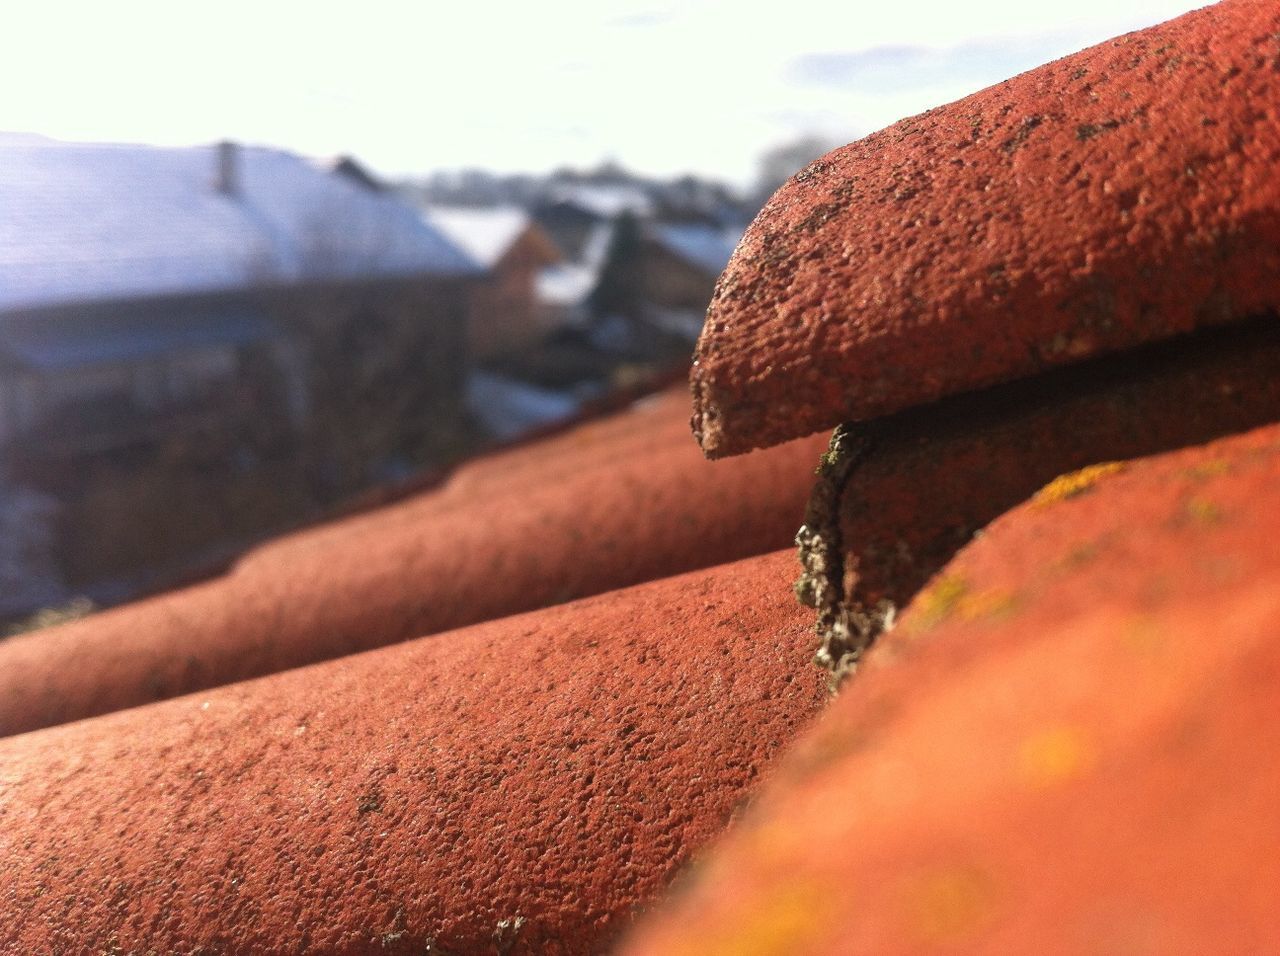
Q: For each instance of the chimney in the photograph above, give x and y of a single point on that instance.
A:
(227, 173)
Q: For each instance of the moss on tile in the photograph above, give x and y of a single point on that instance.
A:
(844, 630)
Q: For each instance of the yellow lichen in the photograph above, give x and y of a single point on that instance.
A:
(1144, 634)
(1075, 483)
(950, 596)
(991, 603)
(936, 603)
(788, 919)
(949, 904)
(1055, 755)
(1213, 468)
(1203, 511)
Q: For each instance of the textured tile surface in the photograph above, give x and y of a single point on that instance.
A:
(936, 475)
(515, 787)
(1067, 745)
(1123, 194)
(610, 504)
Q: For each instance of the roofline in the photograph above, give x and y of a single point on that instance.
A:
(159, 299)
(535, 232)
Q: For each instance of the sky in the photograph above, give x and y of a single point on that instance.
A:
(700, 86)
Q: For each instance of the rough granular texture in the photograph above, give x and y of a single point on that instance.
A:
(936, 475)
(608, 505)
(516, 787)
(1124, 194)
(1067, 745)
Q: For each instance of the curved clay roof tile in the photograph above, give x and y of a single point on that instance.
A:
(530, 781)
(1121, 195)
(610, 504)
(1068, 744)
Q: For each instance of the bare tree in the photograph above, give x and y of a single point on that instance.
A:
(781, 162)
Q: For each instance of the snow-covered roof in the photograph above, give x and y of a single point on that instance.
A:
(706, 247)
(596, 249)
(606, 201)
(94, 222)
(566, 284)
(569, 283)
(484, 234)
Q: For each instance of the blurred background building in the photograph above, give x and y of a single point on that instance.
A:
(204, 345)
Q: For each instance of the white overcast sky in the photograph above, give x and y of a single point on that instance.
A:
(700, 85)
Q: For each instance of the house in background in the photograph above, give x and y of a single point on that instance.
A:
(506, 313)
(564, 290)
(573, 212)
(638, 259)
(237, 333)
(682, 262)
(633, 248)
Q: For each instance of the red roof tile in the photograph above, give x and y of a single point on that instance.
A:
(1123, 194)
(534, 778)
(1066, 746)
(936, 475)
(608, 505)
